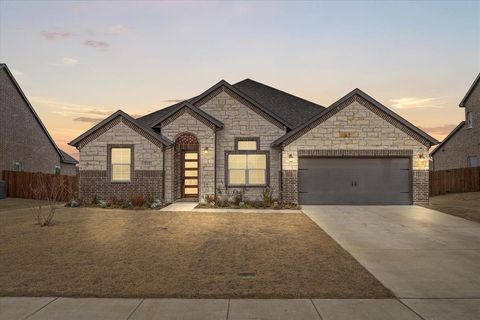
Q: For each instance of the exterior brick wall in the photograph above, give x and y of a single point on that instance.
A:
(97, 183)
(22, 137)
(206, 139)
(420, 186)
(147, 172)
(290, 186)
(357, 128)
(242, 121)
(466, 142)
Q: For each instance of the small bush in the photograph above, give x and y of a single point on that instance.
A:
(238, 197)
(150, 199)
(138, 200)
(95, 200)
(267, 196)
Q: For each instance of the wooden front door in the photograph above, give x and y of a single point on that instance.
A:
(190, 174)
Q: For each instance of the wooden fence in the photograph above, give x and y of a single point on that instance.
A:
(40, 186)
(454, 181)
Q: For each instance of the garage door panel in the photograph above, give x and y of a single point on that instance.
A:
(354, 181)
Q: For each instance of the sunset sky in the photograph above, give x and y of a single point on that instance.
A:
(78, 62)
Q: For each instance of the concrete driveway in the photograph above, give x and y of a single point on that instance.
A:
(414, 251)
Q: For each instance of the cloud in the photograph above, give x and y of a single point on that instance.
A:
(118, 29)
(414, 102)
(174, 100)
(88, 119)
(53, 35)
(99, 45)
(16, 73)
(69, 61)
(440, 130)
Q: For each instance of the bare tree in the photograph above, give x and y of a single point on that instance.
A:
(50, 190)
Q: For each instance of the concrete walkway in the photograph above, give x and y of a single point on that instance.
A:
(224, 309)
(180, 206)
(414, 251)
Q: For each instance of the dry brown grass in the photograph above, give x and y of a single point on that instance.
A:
(119, 253)
(463, 205)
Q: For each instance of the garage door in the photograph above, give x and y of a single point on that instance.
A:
(354, 181)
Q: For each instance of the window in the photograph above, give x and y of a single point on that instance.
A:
(469, 120)
(17, 166)
(472, 161)
(247, 169)
(57, 170)
(243, 144)
(121, 159)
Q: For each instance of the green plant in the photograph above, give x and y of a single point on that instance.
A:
(95, 200)
(149, 199)
(238, 197)
(267, 196)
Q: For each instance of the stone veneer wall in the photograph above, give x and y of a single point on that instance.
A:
(465, 143)
(241, 121)
(147, 175)
(206, 138)
(356, 128)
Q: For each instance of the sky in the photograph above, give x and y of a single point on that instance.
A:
(78, 62)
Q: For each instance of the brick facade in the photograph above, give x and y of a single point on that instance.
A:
(464, 143)
(97, 183)
(356, 131)
(240, 121)
(22, 138)
(147, 175)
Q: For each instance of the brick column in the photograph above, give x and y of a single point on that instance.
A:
(290, 186)
(420, 186)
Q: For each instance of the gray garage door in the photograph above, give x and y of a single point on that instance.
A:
(354, 181)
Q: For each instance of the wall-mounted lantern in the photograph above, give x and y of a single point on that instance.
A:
(290, 157)
(205, 150)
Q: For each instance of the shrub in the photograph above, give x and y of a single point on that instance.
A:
(267, 196)
(95, 200)
(238, 197)
(150, 199)
(137, 200)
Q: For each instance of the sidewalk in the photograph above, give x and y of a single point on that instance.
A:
(237, 309)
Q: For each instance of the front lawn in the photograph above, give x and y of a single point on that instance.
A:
(464, 205)
(120, 253)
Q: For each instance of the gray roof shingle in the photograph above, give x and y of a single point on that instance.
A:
(288, 107)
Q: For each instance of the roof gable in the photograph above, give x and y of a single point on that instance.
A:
(369, 103)
(451, 134)
(191, 108)
(64, 157)
(242, 98)
(469, 92)
(112, 120)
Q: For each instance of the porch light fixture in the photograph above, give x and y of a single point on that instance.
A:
(290, 157)
(205, 150)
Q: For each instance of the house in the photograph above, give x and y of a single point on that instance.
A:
(248, 137)
(461, 148)
(25, 144)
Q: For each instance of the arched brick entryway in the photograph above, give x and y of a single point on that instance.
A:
(186, 166)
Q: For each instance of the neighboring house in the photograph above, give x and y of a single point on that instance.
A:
(25, 144)
(461, 148)
(249, 136)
